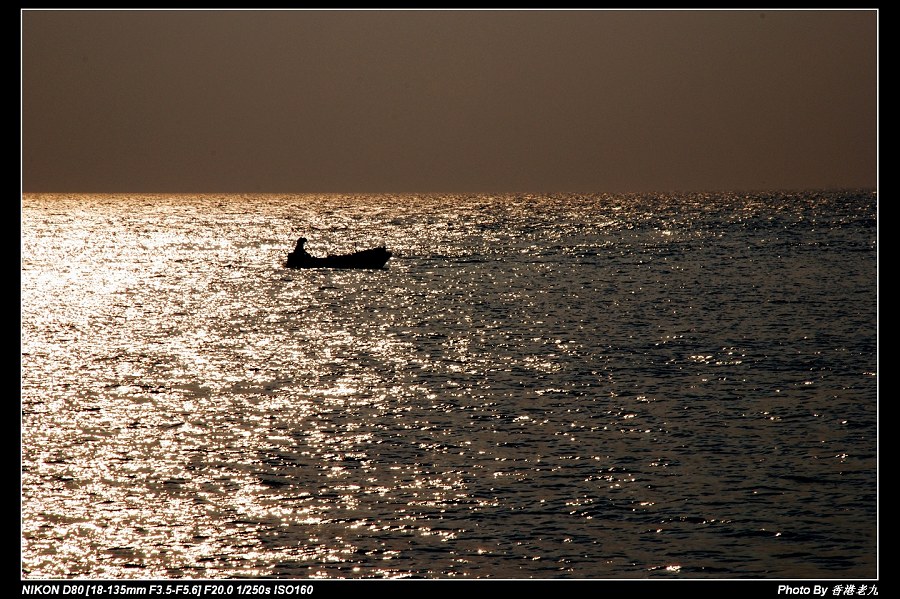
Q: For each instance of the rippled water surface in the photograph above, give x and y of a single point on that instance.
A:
(536, 386)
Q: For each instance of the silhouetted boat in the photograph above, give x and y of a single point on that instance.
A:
(372, 258)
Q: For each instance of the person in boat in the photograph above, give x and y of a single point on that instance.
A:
(300, 252)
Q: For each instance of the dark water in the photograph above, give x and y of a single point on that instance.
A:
(676, 386)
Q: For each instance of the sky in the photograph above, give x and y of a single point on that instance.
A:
(352, 101)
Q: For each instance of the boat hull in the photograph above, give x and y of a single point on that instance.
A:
(374, 258)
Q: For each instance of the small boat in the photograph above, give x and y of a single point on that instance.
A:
(371, 258)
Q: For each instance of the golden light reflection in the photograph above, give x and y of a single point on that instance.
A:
(191, 409)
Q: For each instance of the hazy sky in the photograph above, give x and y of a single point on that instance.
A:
(467, 101)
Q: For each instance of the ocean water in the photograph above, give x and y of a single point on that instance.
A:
(537, 386)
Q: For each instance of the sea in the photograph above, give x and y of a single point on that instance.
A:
(536, 386)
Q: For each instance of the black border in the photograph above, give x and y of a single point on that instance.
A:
(396, 588)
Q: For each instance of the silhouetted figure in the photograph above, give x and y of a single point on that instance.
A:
(299, 256)
(300, 252)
